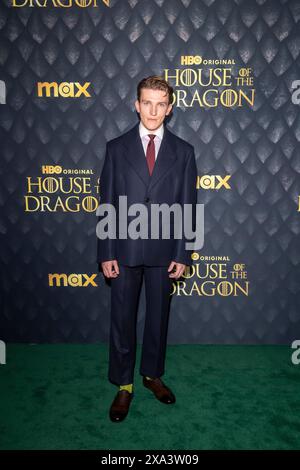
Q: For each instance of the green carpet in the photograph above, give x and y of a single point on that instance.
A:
(228, 397)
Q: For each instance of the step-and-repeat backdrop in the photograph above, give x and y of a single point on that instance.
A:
(69, 71)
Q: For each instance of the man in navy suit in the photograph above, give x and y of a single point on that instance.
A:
(149, 165)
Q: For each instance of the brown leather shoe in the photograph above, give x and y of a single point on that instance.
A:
(160, 390)
(120, 405)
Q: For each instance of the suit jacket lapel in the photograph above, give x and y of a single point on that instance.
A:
(165, 159)
(135, 155)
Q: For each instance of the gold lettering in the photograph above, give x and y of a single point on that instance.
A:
(55, 279)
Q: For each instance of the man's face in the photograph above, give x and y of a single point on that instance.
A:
(153, 107)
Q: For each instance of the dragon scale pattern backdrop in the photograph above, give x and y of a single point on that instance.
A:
(69, 71)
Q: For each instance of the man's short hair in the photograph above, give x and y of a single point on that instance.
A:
(155, 82)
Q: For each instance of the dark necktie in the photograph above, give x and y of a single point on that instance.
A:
(150, 154)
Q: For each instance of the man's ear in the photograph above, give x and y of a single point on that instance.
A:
(137, 105)
(169, 109)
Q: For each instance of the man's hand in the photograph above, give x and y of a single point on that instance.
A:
(179, 269)
(110, 268)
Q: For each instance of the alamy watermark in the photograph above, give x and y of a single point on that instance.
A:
(2, 92)
(2, 352)
(296, 93)
(295, 358)
(160, 217)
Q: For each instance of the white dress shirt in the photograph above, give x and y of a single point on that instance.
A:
(145, 138)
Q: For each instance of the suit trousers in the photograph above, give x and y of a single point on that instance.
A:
(125, 291)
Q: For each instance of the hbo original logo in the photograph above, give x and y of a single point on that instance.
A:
(190, 60)
(51, 169)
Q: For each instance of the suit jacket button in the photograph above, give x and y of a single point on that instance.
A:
(147, 199)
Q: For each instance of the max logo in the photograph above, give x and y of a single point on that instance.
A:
(72, 280)
(64, 90)
(2, 353)
(296, 354)
(213, 182)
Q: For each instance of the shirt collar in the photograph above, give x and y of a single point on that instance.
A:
(144, 131)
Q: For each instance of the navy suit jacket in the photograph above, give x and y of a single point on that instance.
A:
(173, 180)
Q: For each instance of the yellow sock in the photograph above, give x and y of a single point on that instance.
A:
(128, 387)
